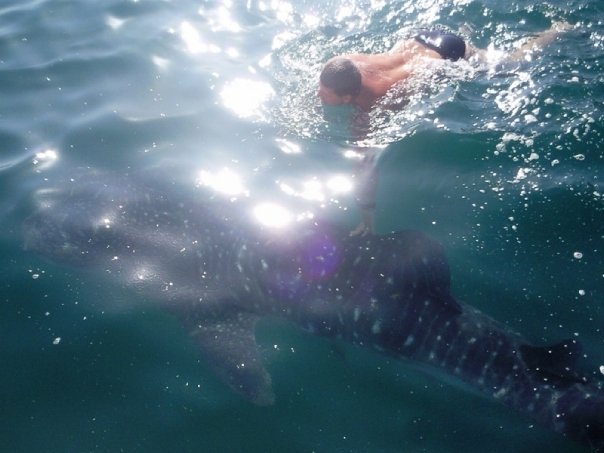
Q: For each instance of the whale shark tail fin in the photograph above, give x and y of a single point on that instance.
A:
(228, 346)
(556, 362)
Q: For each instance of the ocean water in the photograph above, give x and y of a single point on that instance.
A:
(503, 165)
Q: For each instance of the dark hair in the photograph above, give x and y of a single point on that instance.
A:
(342, 76)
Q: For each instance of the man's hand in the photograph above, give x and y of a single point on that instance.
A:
(366, 226)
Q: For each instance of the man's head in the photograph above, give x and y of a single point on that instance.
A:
(340, 81)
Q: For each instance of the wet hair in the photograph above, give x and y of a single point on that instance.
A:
(342, 76)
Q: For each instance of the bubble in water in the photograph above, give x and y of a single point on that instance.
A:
(578, 255)
(581, 292)
(56, 341)
(602, 369)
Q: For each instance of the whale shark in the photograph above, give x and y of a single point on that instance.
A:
(210, 262)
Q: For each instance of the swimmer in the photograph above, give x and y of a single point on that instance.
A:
(362, 79)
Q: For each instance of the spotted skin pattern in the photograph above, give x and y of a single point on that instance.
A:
(207, 262)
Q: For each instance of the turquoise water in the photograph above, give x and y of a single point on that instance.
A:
(503, 167)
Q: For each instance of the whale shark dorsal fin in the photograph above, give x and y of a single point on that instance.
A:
(228, 345)
(555, 362)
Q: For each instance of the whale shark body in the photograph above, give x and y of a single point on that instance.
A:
(209, 262)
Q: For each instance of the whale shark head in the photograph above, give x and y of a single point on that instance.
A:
(65, 231)
(143, 237)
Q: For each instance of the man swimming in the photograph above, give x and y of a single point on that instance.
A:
(362, 79)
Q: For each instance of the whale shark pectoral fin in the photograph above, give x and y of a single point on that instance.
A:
(555, 362)
(229, 347)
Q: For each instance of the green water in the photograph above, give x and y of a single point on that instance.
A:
(502, 167)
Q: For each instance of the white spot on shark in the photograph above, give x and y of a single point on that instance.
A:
(376, 328)
(500, 393)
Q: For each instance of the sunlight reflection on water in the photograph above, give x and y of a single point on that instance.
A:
(246, 97)
(273, 215)
(44, 159)
(193, 40)
(225, 181)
